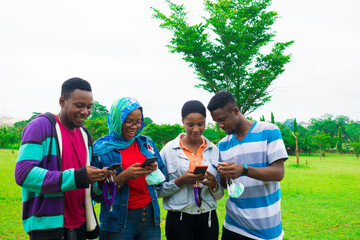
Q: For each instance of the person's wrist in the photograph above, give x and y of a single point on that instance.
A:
(120, 180)
(246, 170)
(178, 182)
(214, 189)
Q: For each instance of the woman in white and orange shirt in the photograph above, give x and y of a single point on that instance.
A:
(191, 198)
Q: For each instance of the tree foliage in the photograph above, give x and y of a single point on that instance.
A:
(96, 123)
(213, 133)
(309, 140)
(339, 143)
(356, 148)
(227, 49)
(323, 142)
(295, 133)
(163, 133)
(272, 118)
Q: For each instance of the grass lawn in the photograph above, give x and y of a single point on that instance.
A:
(320, 199)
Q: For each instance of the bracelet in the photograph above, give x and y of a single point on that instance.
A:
(246, 170)
(214, 189)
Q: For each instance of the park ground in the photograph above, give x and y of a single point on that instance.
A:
(320, 198)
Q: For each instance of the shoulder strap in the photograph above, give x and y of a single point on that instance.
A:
(88, 135)
(51, 118)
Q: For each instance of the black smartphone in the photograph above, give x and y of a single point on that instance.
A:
(149, 161)
(200, 169)
(114, 166)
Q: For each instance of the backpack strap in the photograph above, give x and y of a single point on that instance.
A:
(51, 118)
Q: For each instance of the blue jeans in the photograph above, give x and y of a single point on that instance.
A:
(139, 226)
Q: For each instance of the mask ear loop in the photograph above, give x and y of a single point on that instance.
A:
(197, 193)
(229, 181)
(109, 185)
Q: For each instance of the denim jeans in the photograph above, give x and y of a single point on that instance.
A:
(139, 226)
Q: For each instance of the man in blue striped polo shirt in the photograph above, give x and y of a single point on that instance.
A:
(253, 154)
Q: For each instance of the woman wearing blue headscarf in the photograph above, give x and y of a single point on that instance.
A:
(132, 212)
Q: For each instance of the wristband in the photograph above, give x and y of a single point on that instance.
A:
(246, 170)
(214, 189)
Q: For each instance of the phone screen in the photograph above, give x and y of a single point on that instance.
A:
(148, 161)
(200, 169)
(114, 166)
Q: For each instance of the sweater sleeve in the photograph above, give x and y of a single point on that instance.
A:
(37, 166)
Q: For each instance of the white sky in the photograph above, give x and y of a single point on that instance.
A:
(119, 48)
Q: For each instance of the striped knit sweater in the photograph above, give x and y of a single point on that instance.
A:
(43, 183)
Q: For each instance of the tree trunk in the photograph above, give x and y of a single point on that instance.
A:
(297, 150)
(296, 136)
(321, 154)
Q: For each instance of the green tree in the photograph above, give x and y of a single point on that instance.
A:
(162, 134)
(97, 127)
(272, 118)
(307, 144)
(296, 136)
(288, 138)
(339, 143)
(98, 111)
(351, 129)
(213, 133)
(262, 118)
(328, 124)
(96, 123)
(147, 121)
(356, 146)
(227, 50)
(322, 141)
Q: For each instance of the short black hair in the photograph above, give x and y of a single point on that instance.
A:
(220, 100)
(193, 106)
(72, 84)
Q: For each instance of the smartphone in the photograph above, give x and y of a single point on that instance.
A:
(200, 169)
(222, 164)
(114, 166)
(149, 161)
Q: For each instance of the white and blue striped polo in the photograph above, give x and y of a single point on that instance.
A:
(256, 213)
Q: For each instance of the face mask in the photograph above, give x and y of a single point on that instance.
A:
(234, 189)
(155, 178)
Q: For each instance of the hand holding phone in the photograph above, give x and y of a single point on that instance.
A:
(114, 166)
(148, 161)
(200, 169)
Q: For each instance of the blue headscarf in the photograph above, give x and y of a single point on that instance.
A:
(119, 110)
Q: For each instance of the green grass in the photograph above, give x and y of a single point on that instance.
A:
(320, 199)
(10, 199)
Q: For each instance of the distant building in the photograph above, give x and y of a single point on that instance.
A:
(304, 124)
(8, 120)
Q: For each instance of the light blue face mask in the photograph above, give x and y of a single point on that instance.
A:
(155, 178)
(234, 189)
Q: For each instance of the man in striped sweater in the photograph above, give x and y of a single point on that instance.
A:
(53, 169)
(253, 154)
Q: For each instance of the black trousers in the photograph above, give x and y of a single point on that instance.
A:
(68, 234)
(75, 234)
(191, 227)
(229, 235)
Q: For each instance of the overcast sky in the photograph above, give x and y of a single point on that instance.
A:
(119, 48)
